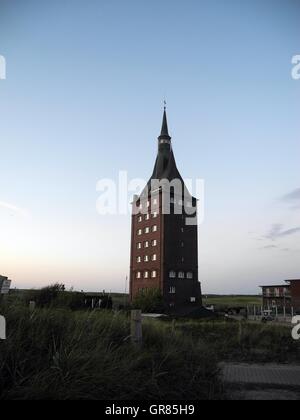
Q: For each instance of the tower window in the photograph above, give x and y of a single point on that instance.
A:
(154, 274)
(172, 274)
(154, 257)
(155, 201)
(147, 216)
(193, 299)
(146, 274)
(139, 232)
(139, 245)
(181, 274)
(147, 230)
(155, 214)
(146, 258)
(154, 242)
(138, 275)
(182, 244)
(140, 219)
(172, 290)
(146, 244)
(139, 259)
(189, 275)
(154, 228)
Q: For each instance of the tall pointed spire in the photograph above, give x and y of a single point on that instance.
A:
(164, 135)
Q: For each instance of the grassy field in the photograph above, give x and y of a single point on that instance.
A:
(231, 301)
(56, 354)
(59, 354)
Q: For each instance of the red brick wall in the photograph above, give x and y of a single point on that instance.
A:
(295, 292)
(137, 284)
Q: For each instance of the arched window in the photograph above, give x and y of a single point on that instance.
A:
(154, 274)
(138, 275)
(146, 274)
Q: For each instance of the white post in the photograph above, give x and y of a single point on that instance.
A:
(136, 327)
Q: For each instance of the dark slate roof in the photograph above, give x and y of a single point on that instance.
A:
(165, 165)
(164, 129)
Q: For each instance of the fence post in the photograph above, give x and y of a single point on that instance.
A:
(136, 327)
(31, 306)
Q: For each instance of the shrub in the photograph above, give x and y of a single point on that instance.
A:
(149, 301)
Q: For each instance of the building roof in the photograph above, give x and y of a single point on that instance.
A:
(165, 167)
(275, 285)
(164, 128)
(288, 281)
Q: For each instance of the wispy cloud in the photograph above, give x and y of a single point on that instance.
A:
(269, 247)
(292, 196)
(277, 231)
(14, 209)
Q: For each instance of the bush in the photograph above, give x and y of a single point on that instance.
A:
(149, 301)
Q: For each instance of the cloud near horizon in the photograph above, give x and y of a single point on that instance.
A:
(277, 231)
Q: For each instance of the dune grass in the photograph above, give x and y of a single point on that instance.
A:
(62, 355)
(245, 341)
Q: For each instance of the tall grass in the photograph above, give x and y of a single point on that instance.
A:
(245, 342)
(57, 354)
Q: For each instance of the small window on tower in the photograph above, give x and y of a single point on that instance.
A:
(146, 258)
(155, 201)
(146, 274)
(154, 242)
(154, 274)
(146, 244)
(172, 274)
(147, 216)
(193, 299)
(147, 230)
(154, 228)
(154, 257)
(139, 245)
(181, 274)
(139, 232)
(189, 275)
(139, 259)
(172, 290)
(140, 219)
(138, 275)
(155, 215)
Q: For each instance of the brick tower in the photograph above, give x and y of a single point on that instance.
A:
(164, 235)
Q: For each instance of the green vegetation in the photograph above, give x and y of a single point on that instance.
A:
(243, 341)
(55, 353)
(150, 301)
(60, 354)
(227, 301)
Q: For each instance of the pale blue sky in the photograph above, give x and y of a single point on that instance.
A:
(83, 100)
